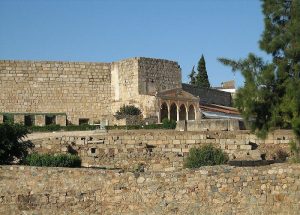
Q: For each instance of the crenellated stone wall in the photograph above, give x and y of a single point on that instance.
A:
(156, 150)
(214, 190)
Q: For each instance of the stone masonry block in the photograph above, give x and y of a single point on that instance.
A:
(19, 118)
(61, 120)
(39, 120)
(1, 118)
(232, 147)
(246, 147)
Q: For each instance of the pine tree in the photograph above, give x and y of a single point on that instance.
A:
(270, 98)
(202, 78)
(192, 76)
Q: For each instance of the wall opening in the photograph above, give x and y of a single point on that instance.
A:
(50, 120)
(29, 120)
(163, 111)
(191, 113)
(182, 112)
(83, 121)
(93, 150)
(8, 118)
(173, 112)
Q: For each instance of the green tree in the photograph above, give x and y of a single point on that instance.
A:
(12, 145)
(202, 77)
(270, 98)
(192, 76)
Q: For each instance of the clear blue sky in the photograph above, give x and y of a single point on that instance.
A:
(110, 30)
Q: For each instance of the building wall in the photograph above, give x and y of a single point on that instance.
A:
(209, 96)
(81, 90)
(208, 190)
(156, 75)
(85, 90)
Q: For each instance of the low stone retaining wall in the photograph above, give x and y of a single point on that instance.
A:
(156, 149)
(271, 189)
(210, 125)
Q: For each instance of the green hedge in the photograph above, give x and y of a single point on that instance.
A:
(136, 127)
(49, 128)
(167, 124)
(205, 156)
(60, 160)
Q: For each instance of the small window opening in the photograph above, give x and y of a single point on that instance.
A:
(83, 121)
(8, 118)
(50, 120)
(93, 150)
(29, 120)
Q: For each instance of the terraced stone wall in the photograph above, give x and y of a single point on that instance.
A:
(271, 189)
(156, 149)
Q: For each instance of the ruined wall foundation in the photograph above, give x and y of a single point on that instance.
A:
(156, 150)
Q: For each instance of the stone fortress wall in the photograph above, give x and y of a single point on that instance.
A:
(271, 189)
(156, 150)
(84, 90)
(81, 90)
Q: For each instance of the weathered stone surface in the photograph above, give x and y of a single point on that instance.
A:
(208, 190)
(93, 91)
(156, 149)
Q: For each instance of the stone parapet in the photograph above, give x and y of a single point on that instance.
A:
(209, 125)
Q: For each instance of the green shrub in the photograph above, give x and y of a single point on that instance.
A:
(46, 128)
(51, 128)
(169, 124)
(205, 156)
(12, 146)
(135, 127)
(60, 160)
(295, 150)
(127, 110)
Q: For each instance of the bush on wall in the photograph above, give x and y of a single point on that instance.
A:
(12, 145)
(60, 160)
(169, 124)
(127, 110)
(205, 156)
(50, 128)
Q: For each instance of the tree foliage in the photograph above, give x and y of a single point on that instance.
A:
(12, 145)
(192, 76)
(127, 110)
(200, 78)
(270, 98)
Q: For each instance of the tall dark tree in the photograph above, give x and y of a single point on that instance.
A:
(192, 76)
(202, 77)
(270, 98)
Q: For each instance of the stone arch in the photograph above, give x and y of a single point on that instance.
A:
(173, 112)
(192, 114)
(163, 111)
(182, 112)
